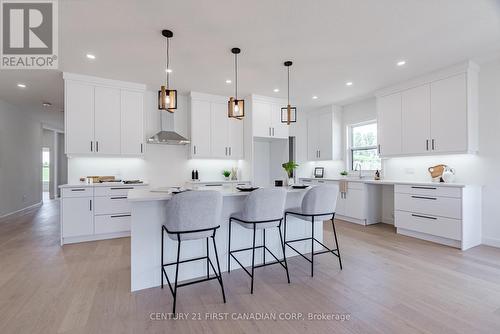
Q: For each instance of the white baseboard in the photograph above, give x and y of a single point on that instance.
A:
(36, 205)
(74, 240)
(491, 242)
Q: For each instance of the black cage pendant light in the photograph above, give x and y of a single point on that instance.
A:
(235, 107)
(167, 98)
(288, 113)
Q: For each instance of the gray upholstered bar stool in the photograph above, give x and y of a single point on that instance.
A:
(263, 209)
(318, 204)
(192, 215)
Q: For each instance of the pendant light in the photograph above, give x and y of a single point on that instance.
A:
(288, 113)
(236, 107)
(167, 98)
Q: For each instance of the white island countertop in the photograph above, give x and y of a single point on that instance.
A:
(102, 184)
(386, 181)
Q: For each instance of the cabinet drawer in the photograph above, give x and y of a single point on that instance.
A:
(428, 190)
(111, 205)
(78, 192)
(112, 223)
(438, 226)
(118, 190)
(438, 206)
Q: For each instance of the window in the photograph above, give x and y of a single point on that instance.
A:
(363, 146)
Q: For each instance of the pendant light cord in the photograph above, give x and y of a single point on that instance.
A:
(288, 67)
(168, 61)
(236, 76)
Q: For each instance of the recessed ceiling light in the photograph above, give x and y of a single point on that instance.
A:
(168, 70)
(47, 104)
(276, 90)
(348, 83)
(21, 85)
(401, 63)
(228, 81)
(315, 97)
(90, 56)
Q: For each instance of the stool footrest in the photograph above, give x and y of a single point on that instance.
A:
(328, 250)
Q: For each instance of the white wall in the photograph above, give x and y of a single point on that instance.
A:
(20, 155)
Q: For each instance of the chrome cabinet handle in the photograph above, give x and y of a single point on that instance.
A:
(120, 216)
(91, 146)
(421, 216)
(427, 144)
(142, 149)
(194, 149)
(422, 187)
(433, 148)
(273, 132)
(90, 205)
(226, 150)
(378, 148)
(424, 197)
(120, 188)
(230, 151)
(79, 189)
(121, 197)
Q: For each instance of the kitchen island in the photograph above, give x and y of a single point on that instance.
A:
(148, 215)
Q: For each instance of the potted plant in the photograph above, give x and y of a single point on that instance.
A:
(289, 167)
(344, 173)
(226, 174)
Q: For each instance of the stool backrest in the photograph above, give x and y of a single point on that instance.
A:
(265, 204)
(194, 210)
(320, 199)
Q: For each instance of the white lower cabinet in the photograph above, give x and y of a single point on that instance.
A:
(95, 212)
(446, 215)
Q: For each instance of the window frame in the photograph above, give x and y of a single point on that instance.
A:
(351, 149)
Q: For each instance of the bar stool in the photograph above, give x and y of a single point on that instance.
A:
(263, 209)
(192, 215)
(318, 204)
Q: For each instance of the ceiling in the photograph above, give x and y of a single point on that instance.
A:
(330, 41)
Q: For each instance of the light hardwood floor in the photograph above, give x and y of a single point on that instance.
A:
(390, 284)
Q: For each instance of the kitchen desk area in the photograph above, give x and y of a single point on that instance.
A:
(445, 213)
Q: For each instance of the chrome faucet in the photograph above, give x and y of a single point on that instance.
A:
(357, 167)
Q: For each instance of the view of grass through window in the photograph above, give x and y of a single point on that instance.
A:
(364, 147)
(45, 165)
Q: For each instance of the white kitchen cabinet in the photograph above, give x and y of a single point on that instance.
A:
(415, 119)
(389, 124)
(448, 124)
(324, 135)
(102, 117)
(200, 129)
(437, 114)
(78, 217)
(107, 125)
(79, 117)
(213, 133)
(132, 122)
(356, 203)
(266, 117)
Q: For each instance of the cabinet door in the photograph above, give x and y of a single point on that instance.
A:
(79, 114)
(200, 129)
(416, 120)
(77, 217)
(219, 129)
(261, 119)
(132, 130)
(107, 120)
(355, 204)
(236, 138)
(389, 124)
(340, 209)
(325, 144)
(278, 129)
(449, 114)
(313, 138)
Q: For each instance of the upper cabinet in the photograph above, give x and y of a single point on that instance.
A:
(266, 117)
(432, 115)
(103, 117)
(324, 135)
(213, 133)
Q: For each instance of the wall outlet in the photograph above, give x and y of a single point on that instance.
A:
(409, 170)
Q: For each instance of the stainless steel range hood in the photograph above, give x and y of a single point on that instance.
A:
(168, 135)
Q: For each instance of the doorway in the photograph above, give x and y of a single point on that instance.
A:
(45, 174)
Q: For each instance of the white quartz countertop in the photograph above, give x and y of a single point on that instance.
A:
(388, 182)
(104, 184)
(146, 195)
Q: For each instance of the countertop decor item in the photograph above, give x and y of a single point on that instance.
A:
(319, 172)
(300, 186)
(344, 173)
(226, 174)
(289, 167)
(436, 172)
(167, 98)
(288, 113)
(377, 175)
(246, 188)
(236, 107)
(448, 175)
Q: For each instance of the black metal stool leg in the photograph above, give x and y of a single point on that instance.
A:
(218, 268)
(229, 249)
(208, 262)
(253, 258)
(337, 243)
(162, 257)
(264, 243)
(177, 271)
(312, 247)
(284, 255)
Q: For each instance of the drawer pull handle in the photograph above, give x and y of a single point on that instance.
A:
(426, 217)
(120, 216)
(423, 197)
(122, 188)
(78, 189)
(213, 185)
(420, 187)
(121, 197)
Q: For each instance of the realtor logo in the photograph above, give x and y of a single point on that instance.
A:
(29, 34)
